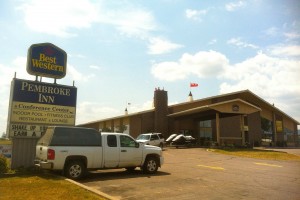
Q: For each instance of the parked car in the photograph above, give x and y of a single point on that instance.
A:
(170, 138)
(75, 150)
(183, 141)
(155, 139)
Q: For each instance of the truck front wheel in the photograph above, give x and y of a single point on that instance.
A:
(75, 170)
(151, 165)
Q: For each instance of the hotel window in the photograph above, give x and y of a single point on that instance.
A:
(205, 129)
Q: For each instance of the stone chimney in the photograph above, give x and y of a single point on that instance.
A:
(161, 111)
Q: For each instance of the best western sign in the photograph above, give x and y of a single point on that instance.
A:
(46, 60)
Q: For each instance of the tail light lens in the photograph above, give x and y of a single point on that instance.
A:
(51, 154)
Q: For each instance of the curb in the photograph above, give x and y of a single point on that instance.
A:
(93, 190)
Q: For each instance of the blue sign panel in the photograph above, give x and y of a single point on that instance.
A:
(44, 93)
(34, 105)
(46, 60)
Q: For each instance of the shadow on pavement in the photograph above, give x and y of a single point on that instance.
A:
(103, 175)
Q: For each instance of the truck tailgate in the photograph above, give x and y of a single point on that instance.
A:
(41, 152)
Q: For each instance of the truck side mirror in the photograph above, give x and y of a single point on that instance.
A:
(137, 145)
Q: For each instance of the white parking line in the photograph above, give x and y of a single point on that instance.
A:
(266, 164)
(211, 167)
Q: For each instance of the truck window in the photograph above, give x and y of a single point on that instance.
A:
(46, 138)
(111, 141)
(65, 136)
(127, 141)
(154, 137)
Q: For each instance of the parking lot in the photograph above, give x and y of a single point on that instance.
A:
(196, 173)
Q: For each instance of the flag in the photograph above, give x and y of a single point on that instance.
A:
(193, 84)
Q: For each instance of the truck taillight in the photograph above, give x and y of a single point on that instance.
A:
(51, 154)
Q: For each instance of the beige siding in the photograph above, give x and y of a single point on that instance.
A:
(23, 152)
(288, 124)
(267, 114)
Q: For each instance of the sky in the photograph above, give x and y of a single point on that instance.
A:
(119, 51)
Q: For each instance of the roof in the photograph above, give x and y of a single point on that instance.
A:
(253, 101)
(217, 107)
(118, 117)
(245, 94)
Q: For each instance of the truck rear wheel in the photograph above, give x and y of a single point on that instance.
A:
(75, 170)
(151, 165)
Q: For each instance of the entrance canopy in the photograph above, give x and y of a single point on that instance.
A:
(235, 106)
(231, 107)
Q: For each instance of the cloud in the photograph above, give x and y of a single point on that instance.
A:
(292, 35)
(273, 31)
(290, 32)
(232, 6)
(239, 43)
(213, 41)
(91, 111)
(95, 67)
(59, 17)
(134, 22)
(272, 78)
(62, 17)
(195, 14)
(133, 108)
(285, 50)
(7, 73)
(202, 64)
(161, 46)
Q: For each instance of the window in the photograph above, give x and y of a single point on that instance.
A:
(205, 130)
(65, 136)
(111, 141)
(46, 138)
(161, 136)
(154, 137)
(127, 141)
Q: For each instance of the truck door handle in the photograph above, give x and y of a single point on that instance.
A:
(123, 151)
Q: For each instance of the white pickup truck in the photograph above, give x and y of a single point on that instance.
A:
(75, 150)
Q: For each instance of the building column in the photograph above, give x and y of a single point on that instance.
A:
(274, 130)
(218, 128)
(242, 129)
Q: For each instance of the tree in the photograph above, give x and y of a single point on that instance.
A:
(3, 135)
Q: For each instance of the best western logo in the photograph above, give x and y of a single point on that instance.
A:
(46, 60)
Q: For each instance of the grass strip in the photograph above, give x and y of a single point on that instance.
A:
(257, 153)
(31, 186)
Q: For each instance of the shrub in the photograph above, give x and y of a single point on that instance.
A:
(3, 165)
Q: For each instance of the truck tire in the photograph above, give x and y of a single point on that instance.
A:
(75, 170)
(151, 165)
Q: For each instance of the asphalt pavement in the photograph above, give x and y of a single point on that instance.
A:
(200, 174)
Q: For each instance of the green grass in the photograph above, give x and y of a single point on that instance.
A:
(259, 154)
(38, 185)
